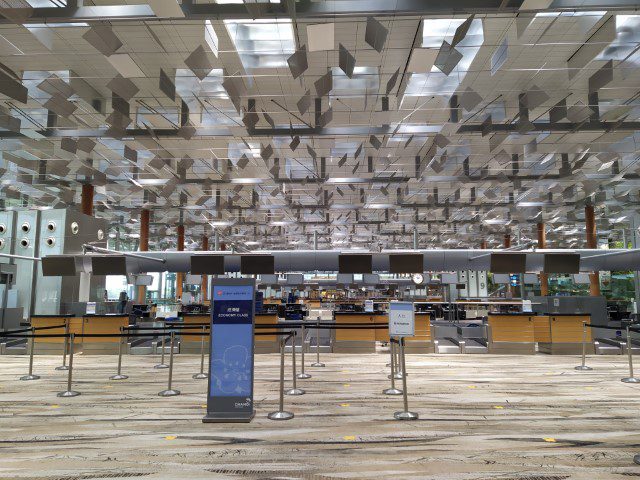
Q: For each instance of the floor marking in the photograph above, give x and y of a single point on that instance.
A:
(55, 406)
(549, 439)
(346, 385)
(344, 405)
(349, 438)
(203, 406)
(471, 386)
(170, 437)
(499, 407)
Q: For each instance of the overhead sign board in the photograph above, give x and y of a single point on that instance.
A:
(230, 392)
(401, 319)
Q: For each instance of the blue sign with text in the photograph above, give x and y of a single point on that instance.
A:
(230, 396)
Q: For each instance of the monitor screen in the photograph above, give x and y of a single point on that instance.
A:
(192, 279)
(257, 264)
(561, 263)
(345, 278)
(354, 263)
(207, 264)
(531, 279)
(109, 265)
(371, 278)
(406, 263)
(501, 278)
(295, 279)
(449, 278)
(146, 280)
(581, 278)
(271, 279)
(508, 262)
(58, 266)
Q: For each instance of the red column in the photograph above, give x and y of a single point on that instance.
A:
(87, 199)
(144, 247)
(542, 243)
(205, 278)
(483, 245)
(507, 240)
(592, 242)
(180, 275)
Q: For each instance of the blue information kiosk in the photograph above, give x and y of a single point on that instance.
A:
(230, 393)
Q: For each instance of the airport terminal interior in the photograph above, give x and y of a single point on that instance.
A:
(319, 239)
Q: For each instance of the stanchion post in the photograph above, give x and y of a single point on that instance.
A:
(162, 364)
(119, 375)
(406, 414)
(583, 366)
(295, 390)
(393, 390)
(281, 414)
(69, 392)
(302, 375)
(201, 375)
(170, 392)
(64, 351)
(32, 344)
(317, 363)
(630, 378)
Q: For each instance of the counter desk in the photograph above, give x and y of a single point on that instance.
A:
(511, 333)
(101, 324)
(266, 343)
(192, 343)
(422, 342)
(561, 333)
(358, 340)
(54, 346)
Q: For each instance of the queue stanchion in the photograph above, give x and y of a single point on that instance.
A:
(317, 363)
(295, 390)
(630, 378)
(32, 344)
(170, 392)
(281, 414)
(119, 375)
(406, 414)
(583, 366)
(69, 392)
(162, 364)
(302, 375)
(64, 351)
(393, 390)
(399, 373)
(201, 375)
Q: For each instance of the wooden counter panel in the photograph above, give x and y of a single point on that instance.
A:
(511, 328)
(423, 329)
(271, 320)
(381, 334)
(568, 328)
(353, 335)
(75, 326)
(541, 328)
(195, 319)
(106, 324)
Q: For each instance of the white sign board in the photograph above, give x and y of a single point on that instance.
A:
(401, 319)
(368, 306)
(91, 308)
(527, 306)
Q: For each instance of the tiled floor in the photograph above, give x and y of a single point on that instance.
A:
(481, 417)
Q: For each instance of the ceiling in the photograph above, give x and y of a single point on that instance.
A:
(192, 111)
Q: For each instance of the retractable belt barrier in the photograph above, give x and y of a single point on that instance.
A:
(629, 329)
(30, 329)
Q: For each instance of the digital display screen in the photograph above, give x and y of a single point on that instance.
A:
(207, 264)
(354, 263)
(109, 265)
(58, 266)
(257, 264)
(508, 262)
(406, 263)
(561, 263)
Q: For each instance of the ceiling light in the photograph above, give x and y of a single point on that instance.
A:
(262, 43)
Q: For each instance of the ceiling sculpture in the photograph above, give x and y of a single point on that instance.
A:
(267, 122)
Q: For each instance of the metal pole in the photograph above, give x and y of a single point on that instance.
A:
(317, 363)
(64, 352)
(162, 364)
(32, 344)
(119, 376)
(393, 390)
(281, 414)
(302, 375)
(69, 392)
(406, 414)
(201, 375)
(295, 390)
(169, 392)
(399, 371)
(583, 366)
(630, 378)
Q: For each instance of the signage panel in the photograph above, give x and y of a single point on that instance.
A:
(401, 319)
(230, 393)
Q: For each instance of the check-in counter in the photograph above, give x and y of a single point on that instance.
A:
(54, 346)
(565, 334)
(266, 343)
(359, 340)
(190, 343)
(101, 324)
(511, 333)
(422, 342)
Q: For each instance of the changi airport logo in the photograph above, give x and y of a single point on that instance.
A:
(246, 403)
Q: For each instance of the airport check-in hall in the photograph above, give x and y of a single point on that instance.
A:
(309, 239)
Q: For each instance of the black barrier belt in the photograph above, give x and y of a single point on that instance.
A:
(125, 335)
(9, 332)
(326, 325)
(636, 330)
